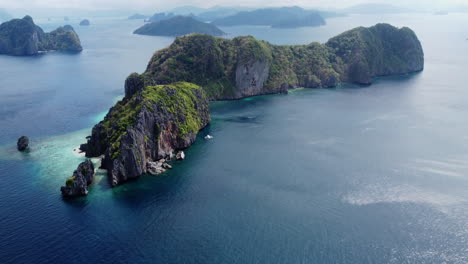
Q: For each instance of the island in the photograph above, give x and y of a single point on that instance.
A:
(85, 22)
(178, 26)
(137, 16)
(312, 20)
(215, 13)
(275, 17)
(166, 106)
(160, 16)
(21, 37)
(376, 8)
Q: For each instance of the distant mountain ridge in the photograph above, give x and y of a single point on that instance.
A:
(177, 26)
(160, 16)
(275, 17)
(137, 16)
(374, 8)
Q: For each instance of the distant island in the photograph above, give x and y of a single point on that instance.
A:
(165, 107)
(218, 13)
(374, 8)
(275, 17)
(312, 20)
(178, 26)
(137, 16)
(160, 16)
(22, 37)
(85, 22)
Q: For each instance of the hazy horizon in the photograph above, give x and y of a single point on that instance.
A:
(164, 5)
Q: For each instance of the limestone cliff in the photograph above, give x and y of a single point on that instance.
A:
(22, 37)
(146, 126)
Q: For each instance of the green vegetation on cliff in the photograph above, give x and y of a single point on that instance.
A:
(177, 99)
(70, 182)
(214, 63)
(177, 26)
(244, 66)
(377, 51)
(63, 38)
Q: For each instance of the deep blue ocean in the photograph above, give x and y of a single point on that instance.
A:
(375, 174)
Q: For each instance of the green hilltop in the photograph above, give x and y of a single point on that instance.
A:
(221, 66)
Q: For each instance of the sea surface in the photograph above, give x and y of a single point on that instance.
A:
(375, 174)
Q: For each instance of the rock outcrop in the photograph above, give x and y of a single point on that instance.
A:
(178, 26)
(22, 37)
(23, 143)
(85, 22)
(147, 126)
(77, 185)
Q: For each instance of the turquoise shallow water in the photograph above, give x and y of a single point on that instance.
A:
(348, 175)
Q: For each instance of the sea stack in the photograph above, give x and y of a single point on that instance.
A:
(77, 185)
(23, 143)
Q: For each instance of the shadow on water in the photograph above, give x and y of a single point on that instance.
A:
(163, 187)
(397, 79)
(242, 119)
(76, 203)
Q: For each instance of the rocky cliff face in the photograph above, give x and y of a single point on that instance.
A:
(147, 126)
(77, 185)
(244, 66)
(22, 37)
(251, 77)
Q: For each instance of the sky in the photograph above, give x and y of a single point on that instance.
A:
(165, 4)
